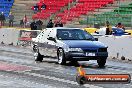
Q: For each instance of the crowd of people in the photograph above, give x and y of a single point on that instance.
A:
(3, 19)
(109, 27)
(56, 24)
(37, 24)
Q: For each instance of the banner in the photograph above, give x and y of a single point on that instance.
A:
(26, 36)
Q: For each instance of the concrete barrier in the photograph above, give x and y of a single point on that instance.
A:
(118, 46)
(12, 36)
(9, 36)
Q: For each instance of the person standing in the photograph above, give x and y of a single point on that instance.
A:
(43, 7)
(108, 28)
(25, 20)
(59, 24)
(119, 25)
(39, 24)
(21, 23)
(0, 19)
(33, 25)
(2, 16)
(36, 8)
(50, 24)
(11, 19)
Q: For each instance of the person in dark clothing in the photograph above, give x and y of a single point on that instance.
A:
(119, 25)
(59, 24)
(2, 19)
(43, 7)
(39, 24)
(21, 23)
(108, 30)
(36, 8)
(50, 24)
(11, 19)
(33, 25)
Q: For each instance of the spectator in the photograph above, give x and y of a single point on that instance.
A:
(33, 25)
(11, 19)
(108, 29)
(119, 25)
(39, 24)
(2, 19)
(21, 23)
(25, 20)
(58, 24)
(36, 8)
(43, 7)
(50, 24)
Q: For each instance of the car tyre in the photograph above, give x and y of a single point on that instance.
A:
(61, 57)
(101, 62)
(38, 56)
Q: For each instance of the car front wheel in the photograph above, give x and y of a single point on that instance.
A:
(37, 55)
(61, 57)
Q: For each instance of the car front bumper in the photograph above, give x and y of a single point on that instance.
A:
(80, 56)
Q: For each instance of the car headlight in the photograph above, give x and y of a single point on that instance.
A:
(75, 49)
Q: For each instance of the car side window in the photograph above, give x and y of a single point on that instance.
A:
(88, 36)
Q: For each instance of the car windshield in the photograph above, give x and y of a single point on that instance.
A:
(73, 34)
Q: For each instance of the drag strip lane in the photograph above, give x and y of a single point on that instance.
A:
(49, 68)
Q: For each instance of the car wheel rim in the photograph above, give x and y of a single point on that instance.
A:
(60, 56)
(35, 55)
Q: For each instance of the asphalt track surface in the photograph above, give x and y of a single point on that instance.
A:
(19, 70)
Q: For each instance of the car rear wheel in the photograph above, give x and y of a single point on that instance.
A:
(101, 62)
(61, 57)
(37, 55)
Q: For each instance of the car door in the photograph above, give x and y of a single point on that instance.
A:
(52, 48)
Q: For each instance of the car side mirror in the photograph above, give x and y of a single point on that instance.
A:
(52, 39)
(96, 39)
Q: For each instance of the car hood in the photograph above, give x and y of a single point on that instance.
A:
(84, 44)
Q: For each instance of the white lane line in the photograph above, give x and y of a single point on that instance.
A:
(60, 80)
(27, 83)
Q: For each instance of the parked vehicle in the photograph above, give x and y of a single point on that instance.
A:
(90, 30)
(115, 31)
(69, 44)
